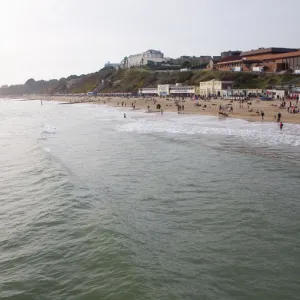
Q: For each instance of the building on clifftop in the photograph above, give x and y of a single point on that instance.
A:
(148, 57)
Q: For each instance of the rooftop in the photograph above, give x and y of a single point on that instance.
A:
(271, 50)
(230, 58)
(153, 51)
(245, 61)
(284, 55)
(269, 57)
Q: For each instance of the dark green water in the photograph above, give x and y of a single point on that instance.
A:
(93, 206)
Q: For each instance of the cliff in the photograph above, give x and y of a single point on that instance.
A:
(124, 80)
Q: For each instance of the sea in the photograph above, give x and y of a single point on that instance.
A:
(97, 206)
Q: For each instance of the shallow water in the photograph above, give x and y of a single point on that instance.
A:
(95, 206)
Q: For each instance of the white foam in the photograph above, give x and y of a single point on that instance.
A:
(254, 132)
(49, 129)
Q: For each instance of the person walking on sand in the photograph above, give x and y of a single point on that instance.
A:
(262, 115)
(280, 125)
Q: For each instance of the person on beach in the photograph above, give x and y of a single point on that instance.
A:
(280, 125)
(161, 111)
(124, 116)
(179, 109)
(262, 115)
(278, 117)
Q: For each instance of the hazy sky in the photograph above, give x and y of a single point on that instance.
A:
(47, 39)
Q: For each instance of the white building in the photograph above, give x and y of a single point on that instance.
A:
(182, 90)
(148, 91)
(166, 90)
(145, 58)
(163, 90)
(276, 93)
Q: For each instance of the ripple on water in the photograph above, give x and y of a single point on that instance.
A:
(146, 208)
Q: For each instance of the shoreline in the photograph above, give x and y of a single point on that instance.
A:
(204, 107)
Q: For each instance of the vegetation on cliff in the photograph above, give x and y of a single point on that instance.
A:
(124, 80)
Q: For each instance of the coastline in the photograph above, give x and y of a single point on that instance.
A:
(211, 107)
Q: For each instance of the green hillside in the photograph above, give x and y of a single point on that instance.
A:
(130, 80)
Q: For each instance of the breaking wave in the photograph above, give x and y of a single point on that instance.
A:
(258, 133)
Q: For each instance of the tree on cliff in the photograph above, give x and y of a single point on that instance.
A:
(186, 64)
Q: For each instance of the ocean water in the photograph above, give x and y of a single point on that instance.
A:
(95, 206)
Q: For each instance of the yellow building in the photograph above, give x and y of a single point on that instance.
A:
(214, 87)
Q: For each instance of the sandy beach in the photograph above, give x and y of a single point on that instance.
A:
(250, 110)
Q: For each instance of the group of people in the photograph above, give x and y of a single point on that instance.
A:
(278, 118)
(225, 109)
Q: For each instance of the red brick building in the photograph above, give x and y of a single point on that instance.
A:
(269, 59)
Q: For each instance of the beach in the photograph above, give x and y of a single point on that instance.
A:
(211, 107)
